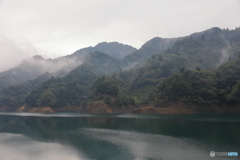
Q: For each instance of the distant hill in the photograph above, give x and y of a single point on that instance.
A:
(14, 95)
(208, 49)
(58, 91)
(154, 45)
(201, 87)
(33, 67)
(114, 49)
(201, 68)
(71, 89)
(28, 69)
(203, 50)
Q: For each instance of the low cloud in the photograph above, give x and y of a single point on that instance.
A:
(61, 27)
(13, 52)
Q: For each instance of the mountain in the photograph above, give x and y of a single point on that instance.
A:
(140, 82)
(57, 91)
(203, 50)
(219, 87)
(14, 95)
(199, 69)
(154, 45)
(114, 49)
(208, 49)
(33, 67)
(103, 63)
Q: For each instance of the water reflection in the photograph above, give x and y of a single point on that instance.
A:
(19, 147)
(149, 146)
(117, 136)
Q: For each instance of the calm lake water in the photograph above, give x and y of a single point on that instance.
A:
(73, 136)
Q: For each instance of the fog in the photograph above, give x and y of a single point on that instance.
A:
(15, 52)
(19, 147)
(12, 52)
(61, 27)
(48, 65)
(224, 53)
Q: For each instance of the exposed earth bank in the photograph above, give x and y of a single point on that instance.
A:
(101, 107)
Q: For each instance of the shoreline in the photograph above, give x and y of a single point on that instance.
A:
(171, 108)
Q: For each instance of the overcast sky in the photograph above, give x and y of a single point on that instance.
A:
(55, 28)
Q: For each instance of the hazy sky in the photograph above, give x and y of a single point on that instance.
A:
(55, 28)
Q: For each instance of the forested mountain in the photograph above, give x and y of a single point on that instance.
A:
(220, 86)
(33, 67)
(60, 91)
(208, 49)
(114, 49)
(57, 92)
(28, 69)
(14, 95)
(209, 46)
(154, 45)
(172, 70)
(140, 82)
(103, 63)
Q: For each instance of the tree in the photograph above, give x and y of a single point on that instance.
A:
(153, 57)
(47, 99)
(107, 99)
(234, 96)
(160, 58)
(151, 96)
(182, 70)
(198, 69)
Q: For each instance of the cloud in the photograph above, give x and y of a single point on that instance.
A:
(62, 27)
(13, 52)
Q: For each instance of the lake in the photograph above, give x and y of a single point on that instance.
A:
(74, 136)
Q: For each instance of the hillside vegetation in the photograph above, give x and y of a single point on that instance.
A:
(199, 69)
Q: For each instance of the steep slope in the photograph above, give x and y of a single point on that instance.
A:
(189, 55)
(57, 92)
(71, 89)
(140, 82)
(202, 50)
(73, 86)
(103, 63)
(13, 96)
(200, 87)
(114, 49)
(154, 45)
(33, 67)
(208, 49)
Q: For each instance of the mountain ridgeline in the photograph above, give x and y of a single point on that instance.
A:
(114, 49)
(219, 87)
(201, 69)
(35, 66)
(208, 49)
(155, 45)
